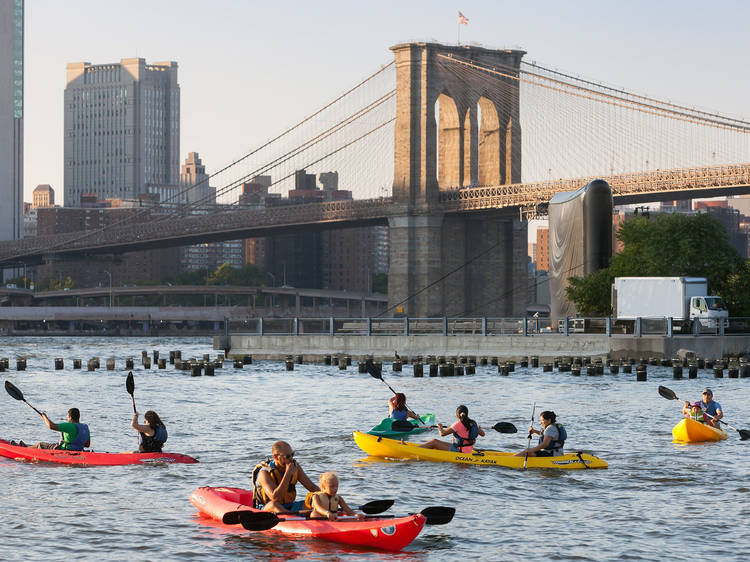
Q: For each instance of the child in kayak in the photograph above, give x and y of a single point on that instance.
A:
(464, 431)
(398, 410)
(326, 503)
(696, 413)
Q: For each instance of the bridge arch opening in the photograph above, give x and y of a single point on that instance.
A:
(489, 144)
(450, 140)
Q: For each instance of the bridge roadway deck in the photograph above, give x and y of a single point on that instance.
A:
(683, 183)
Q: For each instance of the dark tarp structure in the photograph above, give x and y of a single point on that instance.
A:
(580, 240)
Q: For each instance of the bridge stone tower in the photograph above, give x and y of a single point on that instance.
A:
(476, 140)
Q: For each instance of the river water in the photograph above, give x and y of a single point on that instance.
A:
(658, 500)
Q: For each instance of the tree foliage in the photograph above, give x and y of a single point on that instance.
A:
(666, 245)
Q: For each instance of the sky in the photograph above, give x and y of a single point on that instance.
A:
(248, 69)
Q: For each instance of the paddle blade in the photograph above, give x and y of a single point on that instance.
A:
(13, 391)
(258, 520)
(667, 393)
(130, 383)
(744, 434)
(505, 427)
(402, 425)
(377, 506)
(438, 515)
(374, 372)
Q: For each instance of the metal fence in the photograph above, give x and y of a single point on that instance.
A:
(482, 326)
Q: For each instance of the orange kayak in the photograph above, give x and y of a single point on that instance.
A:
(691, 431)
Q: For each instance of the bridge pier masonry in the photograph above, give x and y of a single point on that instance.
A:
(443, 264)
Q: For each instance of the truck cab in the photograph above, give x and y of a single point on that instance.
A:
(708, 311)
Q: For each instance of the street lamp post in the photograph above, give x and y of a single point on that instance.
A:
(109, 276)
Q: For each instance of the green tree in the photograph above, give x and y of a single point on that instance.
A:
(666, 245)
(736, 291)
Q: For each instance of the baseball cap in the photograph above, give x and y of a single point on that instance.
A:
(708, 391)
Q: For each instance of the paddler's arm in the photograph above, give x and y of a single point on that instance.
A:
(481, 431)
(141, 428)
(546, 441)
(443, 431)
(52, 425)
(411, 414)
(303, 479)
(274, 494)
(348, 510)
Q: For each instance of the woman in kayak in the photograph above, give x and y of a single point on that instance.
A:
(153, 435)
(551, 437)
(398, 410)
(464, 431)
(326, 503)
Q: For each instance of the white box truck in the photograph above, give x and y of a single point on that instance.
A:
(681, 298)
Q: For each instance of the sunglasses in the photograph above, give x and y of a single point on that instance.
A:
(288, 457)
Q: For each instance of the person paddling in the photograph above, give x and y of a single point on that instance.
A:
(709, 407)
(153, 435)
(75, 435)
(551, 437)
(464, 431)
(326, 503)
(274, 481)
(398, 410)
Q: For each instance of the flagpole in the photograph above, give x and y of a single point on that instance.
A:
(459, 33)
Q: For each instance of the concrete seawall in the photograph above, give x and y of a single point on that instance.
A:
(314, 347)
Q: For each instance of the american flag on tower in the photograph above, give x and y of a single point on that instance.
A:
(462, 19)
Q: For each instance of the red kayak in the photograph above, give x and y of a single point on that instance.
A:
(88, 458)
(234, 505)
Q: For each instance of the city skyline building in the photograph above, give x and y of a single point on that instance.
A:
(43, 196)
(122, 129)
(11, 118)
(194, 183)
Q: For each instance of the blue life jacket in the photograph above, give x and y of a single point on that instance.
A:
(81, 439)
(560, 442)
(154, 443)
(459, 441)
(399, 414)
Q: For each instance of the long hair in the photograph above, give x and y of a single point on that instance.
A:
(462, 413)
(549, 415)
(153, 420)
(400, 402)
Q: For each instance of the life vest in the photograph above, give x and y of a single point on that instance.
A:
(399, 414)
(559, 443)
(259, 494)
(80, 440)
(154, 443)
(333, 501)
(459, 441)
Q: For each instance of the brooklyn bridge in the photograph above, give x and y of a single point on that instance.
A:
(431, 145)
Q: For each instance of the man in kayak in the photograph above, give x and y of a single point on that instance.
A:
(275, 479)
(75, 435)
(551, 438)
(711, 408)
(465, 432)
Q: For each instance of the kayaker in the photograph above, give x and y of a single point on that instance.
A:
(275, 479)
(398, 410)
(153, 435)
(75, 435)
(695, 413)
(551, 437)
(326, 503)
(464, 431)
(709, 407)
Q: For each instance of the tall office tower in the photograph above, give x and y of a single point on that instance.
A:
(122, 129)
(11, 119)
(193, 173)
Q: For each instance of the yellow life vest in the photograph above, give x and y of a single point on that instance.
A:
(333, 501)
(259, 494)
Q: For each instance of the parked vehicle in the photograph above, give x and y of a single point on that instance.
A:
(683, 299)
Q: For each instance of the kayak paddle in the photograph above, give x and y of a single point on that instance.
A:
(18, 395)
(500, 427)
(526, 456)
(438, 515)
(370, 508)
(256, 520)
(669, 394)
(130, 387)
(377, 373)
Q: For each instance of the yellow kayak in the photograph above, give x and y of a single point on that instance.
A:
(691, 431)
(391, 448)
